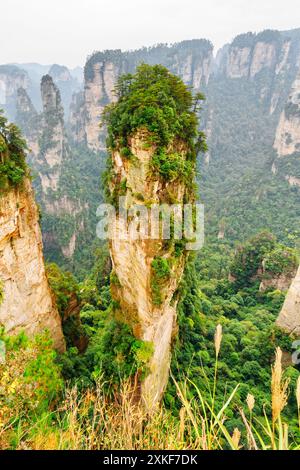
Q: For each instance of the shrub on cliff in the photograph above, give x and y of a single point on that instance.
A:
(155, 100)
(13, 166)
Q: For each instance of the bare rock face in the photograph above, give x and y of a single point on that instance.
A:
(289, 317)
(52, 139)
(293, 181)
(151, 313)
(281, 282)
(27, 119)
(249, 54)
(77, 118)
(238, 62)
(66, 83)
(193, 69)
(287, 140)
(28, 303)
(190, 60)
(50, 151)
(98, 92)
(264, 55)
(11, 79)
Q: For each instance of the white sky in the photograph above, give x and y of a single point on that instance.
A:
(66, 31)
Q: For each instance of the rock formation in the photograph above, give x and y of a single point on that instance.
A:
(11, 79)
(287, 140)
(191, 60)
(152, 314)
(27, 119)
(289, 318)
(76, 123)
(250, 79)
(49, 155)
(249, 54)
(52, 142)
(98, 92)
(238, 62)
(66, 84)
(151, 179)
(27, 303)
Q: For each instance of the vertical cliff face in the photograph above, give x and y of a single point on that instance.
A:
(152, 314)
(152, 167)
(287, 140)
(11, 79)
(289, 318)
(27, 119)
(99, 83)
(264, 56)
(50, 157)
(238, 62)
(249, 54)
(52, 144)
(28, 303)
(190, 60)
(66, 83)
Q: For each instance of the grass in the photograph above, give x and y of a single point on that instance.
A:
(91, 421)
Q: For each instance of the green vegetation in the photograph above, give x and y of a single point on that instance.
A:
(225, 395)
(160, 273)
(22, 404)
(171, 167)
(80, 180)
(13, 166)
(98, 345)
(221, 393)
(250, 39)
(262, 257)
(238, 186)
(158, 54)
(66, 292)
(158, 104)
(250, 336)
(63, 285)
(155, 100)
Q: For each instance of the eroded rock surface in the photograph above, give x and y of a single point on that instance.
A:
(28, 303)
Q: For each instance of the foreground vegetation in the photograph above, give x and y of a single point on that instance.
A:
(223, 393)
(36, 413)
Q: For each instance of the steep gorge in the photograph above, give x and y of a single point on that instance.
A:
(50, 155)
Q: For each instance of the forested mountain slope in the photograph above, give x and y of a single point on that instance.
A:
(249, 179)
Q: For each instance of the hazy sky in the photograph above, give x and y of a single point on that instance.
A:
(66, 31)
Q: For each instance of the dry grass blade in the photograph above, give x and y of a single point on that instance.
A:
(251, 439)
(218, 339)
(279, 387)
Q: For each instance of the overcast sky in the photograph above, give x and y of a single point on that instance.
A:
(66, 31)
